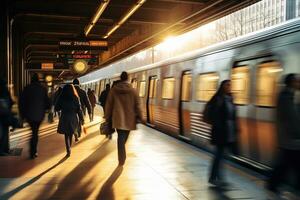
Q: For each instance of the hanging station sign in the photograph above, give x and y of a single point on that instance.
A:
(83, 45)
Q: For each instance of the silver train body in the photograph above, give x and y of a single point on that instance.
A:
(173, 99)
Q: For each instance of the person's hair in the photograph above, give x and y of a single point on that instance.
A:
(124, 76)
(89, 89)
(34, 78)
(221, 90)
(75, 81)
(288, 80)
(107, 86)
(69, 92)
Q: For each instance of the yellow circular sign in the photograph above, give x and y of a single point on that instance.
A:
(80, 66)
(49, 78)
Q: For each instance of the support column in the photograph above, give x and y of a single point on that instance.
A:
(4, 41)
(290, 9)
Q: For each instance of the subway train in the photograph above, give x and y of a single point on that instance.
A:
(173, 93)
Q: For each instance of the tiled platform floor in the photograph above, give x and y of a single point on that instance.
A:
(157, 167)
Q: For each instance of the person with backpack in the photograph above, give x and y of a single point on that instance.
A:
(221, 114)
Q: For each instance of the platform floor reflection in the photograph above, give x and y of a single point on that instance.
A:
(157, 167)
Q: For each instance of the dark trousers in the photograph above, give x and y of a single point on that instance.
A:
(34, 138)
(215, 169)
(92, 113)
(122, 138)
(4, 139)
(68, 142)
(288, 160)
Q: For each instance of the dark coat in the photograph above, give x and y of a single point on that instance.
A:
(219, 132)
(71, 116)
(84, 100)
(92, 99)
(34, 102)
(288, 120)
(103, 97)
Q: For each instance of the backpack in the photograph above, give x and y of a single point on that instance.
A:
(208, 113)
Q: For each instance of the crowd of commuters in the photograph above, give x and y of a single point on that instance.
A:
(122, 109)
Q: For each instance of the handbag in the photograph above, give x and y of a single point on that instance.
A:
(106, 128)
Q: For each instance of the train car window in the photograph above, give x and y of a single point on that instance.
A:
(168, 88)
(240, 84)
(186, 87)
(266, 86)
(142, 89)
(152, 87)
(206, 86)
(134, 83)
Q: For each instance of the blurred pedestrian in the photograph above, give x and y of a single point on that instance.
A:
(71, 114)
(84, 102)
(55, 97)
(5, 117)
(288, 129)
(123, 110)
(33, 104)
(93, 101)
(103, 96)
(224, 129)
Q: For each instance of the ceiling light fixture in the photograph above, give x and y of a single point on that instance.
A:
(96, 17)
(125, 17)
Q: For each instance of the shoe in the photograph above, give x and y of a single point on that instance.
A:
(110, 137)
(33, 156)
(68, 154)
(76, 140)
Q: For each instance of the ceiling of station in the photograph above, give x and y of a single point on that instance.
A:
(42, 24)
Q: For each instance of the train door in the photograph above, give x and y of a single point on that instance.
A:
(151, 99)
(185, 98)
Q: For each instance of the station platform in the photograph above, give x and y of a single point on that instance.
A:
(157, 167)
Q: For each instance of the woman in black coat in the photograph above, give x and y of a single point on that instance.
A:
(224, 128)
(71, 114)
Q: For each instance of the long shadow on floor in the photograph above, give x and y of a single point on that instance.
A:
(74, 185)
(31, 181)
(218, 193)
(107, 192)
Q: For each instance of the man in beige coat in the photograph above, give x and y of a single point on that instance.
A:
(123, 109)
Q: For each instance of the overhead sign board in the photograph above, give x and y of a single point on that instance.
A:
(47, 66)
(83, 45)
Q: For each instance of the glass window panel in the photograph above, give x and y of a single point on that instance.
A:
(206, 86)
(152, 88)
(266, 85)
(240, 84)
(186, 87)
(142, 89)
(168, 88)
(134, 83)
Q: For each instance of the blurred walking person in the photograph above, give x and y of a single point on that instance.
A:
(123, 109)
(71, 114)
(288, 130)
(103, 96)
(33, 104)
(84, 102)
(5, 116)
(224, 129)
(93, 101)
(56, 96)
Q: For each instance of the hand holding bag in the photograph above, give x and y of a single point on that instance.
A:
(106, 128)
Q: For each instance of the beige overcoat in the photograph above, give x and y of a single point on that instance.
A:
(123, 107)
